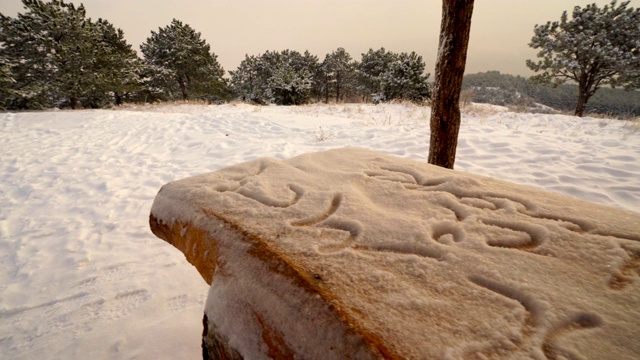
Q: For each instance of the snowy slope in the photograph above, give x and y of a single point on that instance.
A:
(81, 275)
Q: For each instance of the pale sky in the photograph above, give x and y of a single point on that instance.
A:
(500, 32)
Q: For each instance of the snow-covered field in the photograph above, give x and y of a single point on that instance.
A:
(81, 275)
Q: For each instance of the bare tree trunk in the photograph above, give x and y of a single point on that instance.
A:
(73, 102)
(326, 92)
(452, 56)
(183, 88)
(581, 104)
(338, 88)
(584, 94)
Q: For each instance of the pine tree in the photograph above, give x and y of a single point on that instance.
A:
(385, 76)
(598, 46)
(247, 81)
(290, 86)
(45, 50)
(283, 78)
(292, 77)
(371, 68)
(181, 65)
(312, 64)
(405, 79)
(338, 75)
(116, 65)
(250, 81)
(56, 55)
(6, 83)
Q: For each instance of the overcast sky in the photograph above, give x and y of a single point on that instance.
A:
(500, 32)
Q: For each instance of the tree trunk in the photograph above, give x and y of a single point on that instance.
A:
(337, 88)
(452, 56)
(183, 88)
(73, 102)
(583, 97)
(326, 92)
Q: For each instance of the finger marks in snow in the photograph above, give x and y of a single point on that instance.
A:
(540, 329)
(585, 227)
(418, 245)
(448, 233)
(260, 195)
(414, 179)
(629, 270)
(463, 200)
(578, 321)
(525, 236)
(312, 220)
(534, 311)
(327, 220)
(393, 176)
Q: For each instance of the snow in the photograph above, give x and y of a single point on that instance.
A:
(81, 274)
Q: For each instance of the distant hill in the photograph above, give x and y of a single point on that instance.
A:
(516, 91)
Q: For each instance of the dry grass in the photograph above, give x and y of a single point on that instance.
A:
(627, 116)
(482, 110)
(466, 96)
(632, 127)
(322, 136)
(160, 105)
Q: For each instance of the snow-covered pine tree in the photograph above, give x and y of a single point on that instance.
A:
(385, 76)
(405, 79)
(6, 83)
(370, 69)
(311, 63)
(247, 82)
(284, 78)
(338, 75)
(250, 80)
(181, 64)
(117, 67)
(44, 47)
(290, 86)
(57, 56)
(291, 79)
(596, 47)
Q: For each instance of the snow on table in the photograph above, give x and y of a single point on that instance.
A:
(351, 253)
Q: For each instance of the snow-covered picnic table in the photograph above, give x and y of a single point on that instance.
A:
(351, 253)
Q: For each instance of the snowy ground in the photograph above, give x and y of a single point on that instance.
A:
(81, 276)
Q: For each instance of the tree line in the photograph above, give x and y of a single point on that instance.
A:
(53, 55)
(292, 78)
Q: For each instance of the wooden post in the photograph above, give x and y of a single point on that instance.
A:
(452, 56)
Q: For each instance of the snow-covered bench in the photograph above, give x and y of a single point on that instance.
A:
(351, 253)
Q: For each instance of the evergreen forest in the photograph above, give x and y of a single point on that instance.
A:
(54, 56)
